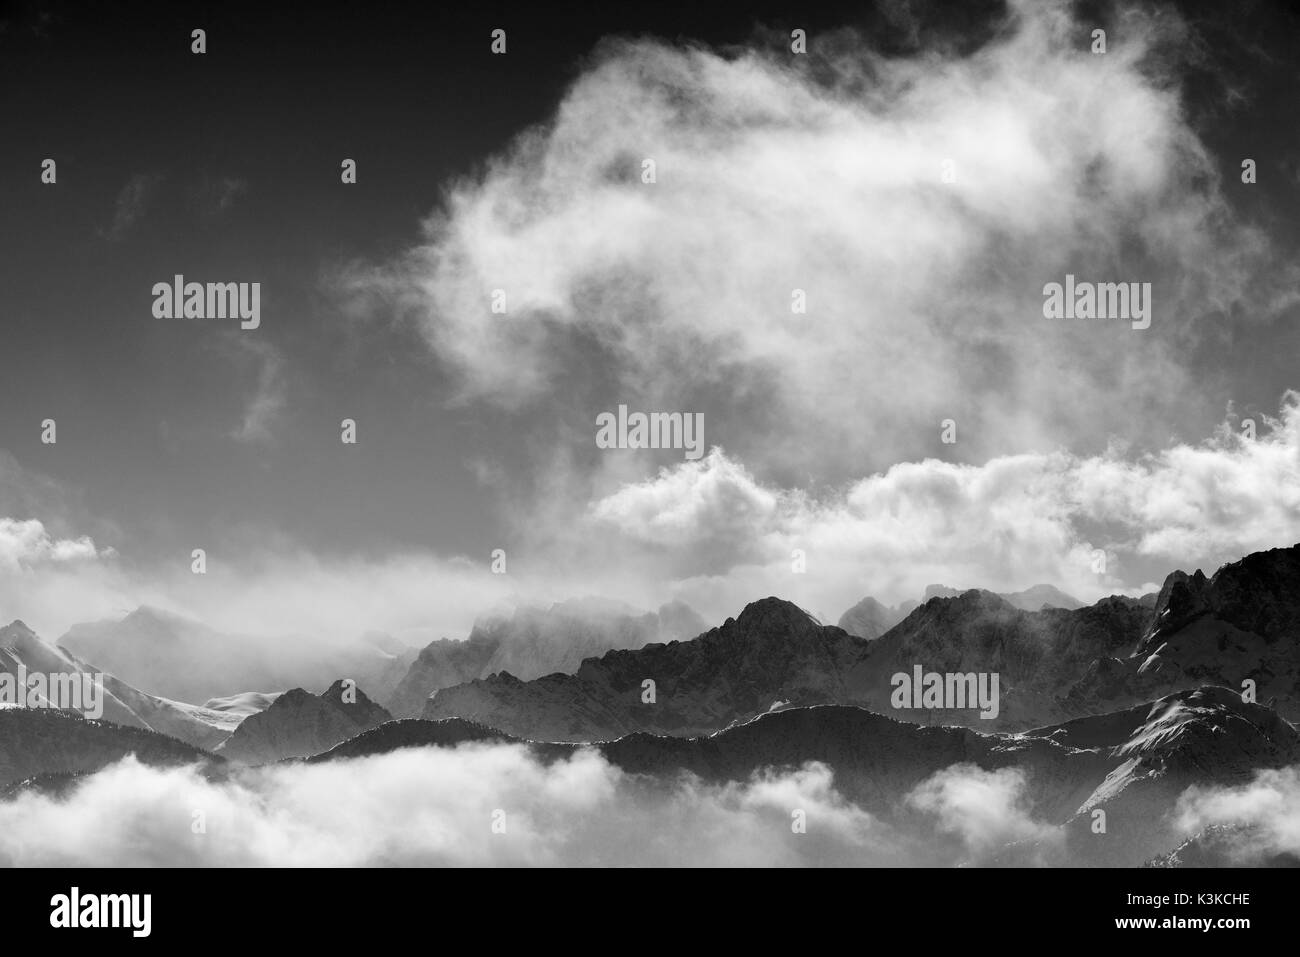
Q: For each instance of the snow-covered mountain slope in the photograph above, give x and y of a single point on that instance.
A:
(122, 704)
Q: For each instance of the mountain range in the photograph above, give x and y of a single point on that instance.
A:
(773, 655)
(1053, 664)
(1109, 711)
(1131, 764)
(776, 655)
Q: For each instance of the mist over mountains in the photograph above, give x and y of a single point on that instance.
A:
(536, 641)
(181, 658)
(870, 618)
(204, 727)
(1141, 709)
(1054, 663)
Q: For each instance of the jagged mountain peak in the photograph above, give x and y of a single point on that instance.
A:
(872, 603)
(773, 651)
(298, 724)
(870, 618)
(294, 696)
(1256, 594)
(939, 591)
(335, 692)
(773, 613)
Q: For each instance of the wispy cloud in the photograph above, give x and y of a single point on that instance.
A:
(133, 201)
(269, 397)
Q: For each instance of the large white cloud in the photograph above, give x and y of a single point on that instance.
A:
(1009, 522)
(1267, 807)
(986, 809)
(924, 297)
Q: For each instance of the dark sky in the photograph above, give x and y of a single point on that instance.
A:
(114, 95)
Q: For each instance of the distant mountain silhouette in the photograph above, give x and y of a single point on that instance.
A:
(1033, 598)
(538, 641)
(870, 618)
(168, 654)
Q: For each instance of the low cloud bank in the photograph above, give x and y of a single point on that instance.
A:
(435, 806)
